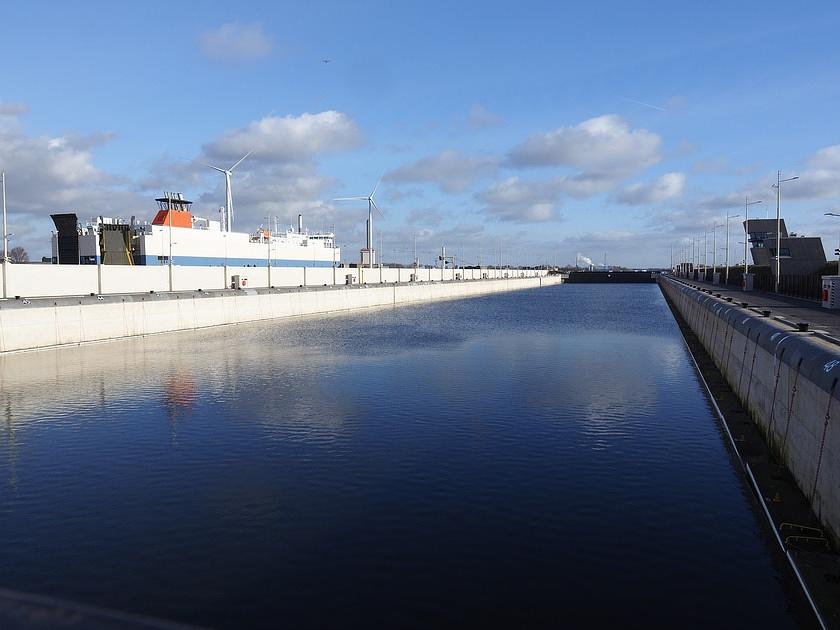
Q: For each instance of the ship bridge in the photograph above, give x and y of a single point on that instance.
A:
(173, 211)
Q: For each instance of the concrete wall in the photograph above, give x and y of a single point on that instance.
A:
(786, 380)
(65, 280)
(35, 280)
(26, 325)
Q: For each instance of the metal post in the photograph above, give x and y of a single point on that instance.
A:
(727, 249)
(715, 226)
(778, 227)
(714, 250)
(778, 188)
(692, 255)
(99, 239)
(169, 216)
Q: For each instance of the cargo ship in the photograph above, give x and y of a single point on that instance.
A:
(176, 235)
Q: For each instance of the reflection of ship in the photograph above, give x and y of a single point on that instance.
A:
(180, 392)
(188, 239)
(172, 372)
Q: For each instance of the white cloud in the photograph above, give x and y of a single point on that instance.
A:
(602, 145)
(450, 170)
(50, 172)
(55, 173)
(287, 138)
(821, 177)
(236, 40)
(667, 186)
(514, 199)
(281, 178)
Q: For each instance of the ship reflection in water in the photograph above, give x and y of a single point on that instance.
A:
(545, 455)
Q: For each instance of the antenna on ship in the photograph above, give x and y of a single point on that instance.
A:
(228, 191)
(371, 205)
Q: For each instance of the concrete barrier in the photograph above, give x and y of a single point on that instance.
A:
(785, 379)
(43, 323)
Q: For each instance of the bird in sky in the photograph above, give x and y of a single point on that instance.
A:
(326, 60)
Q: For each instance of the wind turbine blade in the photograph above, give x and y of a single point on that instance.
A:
(241, 159)
(215, 168)
(350, 199)
(375, 187)
(377, 208)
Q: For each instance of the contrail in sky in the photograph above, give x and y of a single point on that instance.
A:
(642, 103)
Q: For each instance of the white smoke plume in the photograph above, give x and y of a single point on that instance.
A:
(585, 260)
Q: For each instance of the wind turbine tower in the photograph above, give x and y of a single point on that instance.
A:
(228, 218)
(368, 253)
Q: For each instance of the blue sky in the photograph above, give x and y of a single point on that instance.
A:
(551, 128)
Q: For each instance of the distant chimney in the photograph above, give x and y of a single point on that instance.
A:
(300, 224)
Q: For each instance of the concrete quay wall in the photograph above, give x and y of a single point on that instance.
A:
(785, 379)
(43, 323)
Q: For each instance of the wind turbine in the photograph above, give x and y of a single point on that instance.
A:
(371, 206)
(228, 191)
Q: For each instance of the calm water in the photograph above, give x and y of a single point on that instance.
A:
(544, 457)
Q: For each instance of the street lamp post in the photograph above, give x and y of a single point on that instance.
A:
(715, 226)
(169, 219)
(778, 187)
(268, 219)
(728, 216)
(747, 204)
(694, 257)
(687, 257)
(837, 251)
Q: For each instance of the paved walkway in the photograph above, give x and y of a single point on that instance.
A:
(786, 309)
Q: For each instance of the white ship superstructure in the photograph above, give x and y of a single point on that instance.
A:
(188, 240)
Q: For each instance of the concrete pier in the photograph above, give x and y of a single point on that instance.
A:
(786, 380)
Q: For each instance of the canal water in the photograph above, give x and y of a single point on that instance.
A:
(539, 458)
